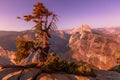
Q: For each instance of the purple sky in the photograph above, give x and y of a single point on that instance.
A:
(72, 13)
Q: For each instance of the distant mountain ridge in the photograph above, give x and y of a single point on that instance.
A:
(98, 46)
(9, 37)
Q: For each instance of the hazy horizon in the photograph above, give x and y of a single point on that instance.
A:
(72, 13)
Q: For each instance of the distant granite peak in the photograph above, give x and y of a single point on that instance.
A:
(93, 48)
(82, 29)
(86, 27)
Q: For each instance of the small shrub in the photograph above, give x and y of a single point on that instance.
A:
(85, 70)
(98, 40)
(111, 41)
(117, 69)
(85, 38)
(118, 51)
(56, 64)
(118, 60)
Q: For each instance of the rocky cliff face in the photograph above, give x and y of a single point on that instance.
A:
(59, 42)
(5, 57)
(97, 49)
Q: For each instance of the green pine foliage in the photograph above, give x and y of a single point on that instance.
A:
(56, 64)
(23, 47)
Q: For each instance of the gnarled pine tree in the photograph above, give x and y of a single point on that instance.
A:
(45, 23)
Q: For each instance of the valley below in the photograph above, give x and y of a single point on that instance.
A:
(98, 47)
